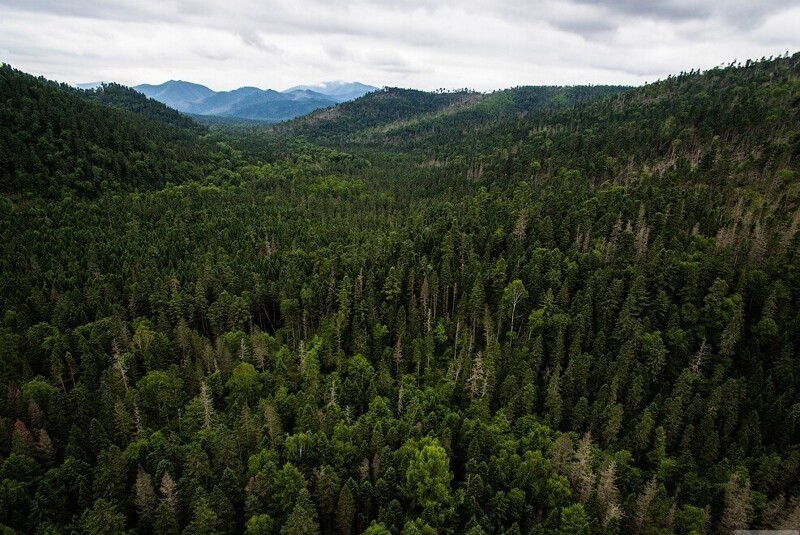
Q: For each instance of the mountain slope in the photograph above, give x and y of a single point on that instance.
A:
(56, 139)
(375, 109)
(119, 96)
(420, 121)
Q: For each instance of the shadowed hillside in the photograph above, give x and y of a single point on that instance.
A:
(57, 140)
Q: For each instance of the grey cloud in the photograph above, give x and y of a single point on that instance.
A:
(598, 19)
(428, 43)
(247, 17)
(741, 13)
(675, 10)
(215, 55)
(586, 27)
(337, 51)
(585, 20)
(96, 9)
(388, 61)
(399, 68)
(748, 14)
(255, 40)
(633, 68)
(338, 16)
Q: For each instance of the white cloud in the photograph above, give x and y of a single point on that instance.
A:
(411, 43)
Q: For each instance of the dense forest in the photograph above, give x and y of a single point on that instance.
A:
(567, 310)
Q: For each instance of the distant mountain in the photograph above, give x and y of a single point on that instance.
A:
(230, 103)
(176, 93)
(245, 102)
(305, 94)
(338, 91)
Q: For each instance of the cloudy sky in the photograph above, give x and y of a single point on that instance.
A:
(409, 43)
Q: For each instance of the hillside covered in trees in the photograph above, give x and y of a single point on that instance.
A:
(569, 310)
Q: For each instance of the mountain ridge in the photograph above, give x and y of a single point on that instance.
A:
(250, 102)
(340, 90)
(419, 118)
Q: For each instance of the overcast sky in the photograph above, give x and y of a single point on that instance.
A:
(425, 44)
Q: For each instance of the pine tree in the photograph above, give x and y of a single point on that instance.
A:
(303, 519)
(345, 510)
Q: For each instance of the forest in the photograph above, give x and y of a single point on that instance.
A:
(543, 310)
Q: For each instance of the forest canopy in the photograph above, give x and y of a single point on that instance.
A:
(570, 310)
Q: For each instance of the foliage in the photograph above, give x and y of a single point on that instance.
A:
(545, 310)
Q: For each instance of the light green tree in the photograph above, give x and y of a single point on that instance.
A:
(244, 384)
(377, 529)
(428, 477)
(259, 525)
(574, 521)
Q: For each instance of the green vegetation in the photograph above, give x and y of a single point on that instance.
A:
(119, 96)
(544, 310)
(56, 141)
